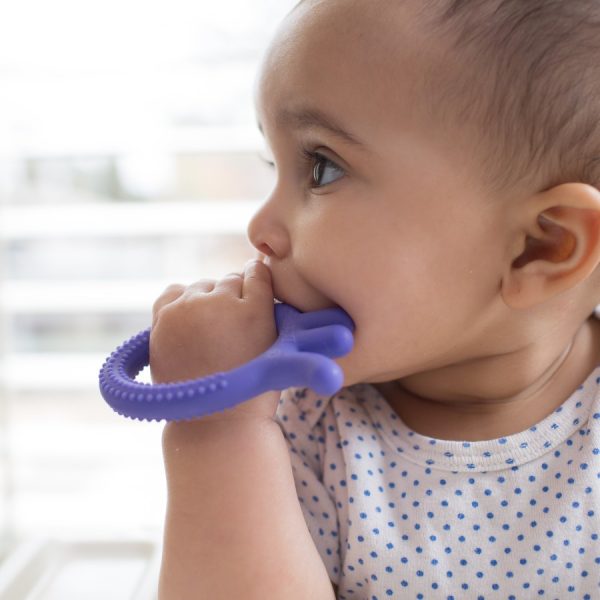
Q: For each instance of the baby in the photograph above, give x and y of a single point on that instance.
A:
(438, 166)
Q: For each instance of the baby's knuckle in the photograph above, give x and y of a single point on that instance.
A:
(189, 304)
(163, 316)
(168, 295)
(202, 283)
(255, 276)
(173, 288)
(157, 307)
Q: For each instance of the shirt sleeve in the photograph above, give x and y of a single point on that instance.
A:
(301, 415)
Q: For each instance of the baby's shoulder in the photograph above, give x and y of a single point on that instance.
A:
(308, 408)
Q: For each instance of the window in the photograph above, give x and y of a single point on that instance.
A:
(128, 160)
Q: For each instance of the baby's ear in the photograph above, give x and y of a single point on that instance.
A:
(559, 241)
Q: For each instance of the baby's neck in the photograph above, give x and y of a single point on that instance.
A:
(479, 408)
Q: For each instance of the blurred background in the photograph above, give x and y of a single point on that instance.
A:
(129, 159)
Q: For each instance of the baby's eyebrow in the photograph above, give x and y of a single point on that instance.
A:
(307, 117)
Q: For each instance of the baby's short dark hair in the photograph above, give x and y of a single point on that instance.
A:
(526, 75)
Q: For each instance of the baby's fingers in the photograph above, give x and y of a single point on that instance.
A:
(170, 294)
(230, 284)
(257, 282)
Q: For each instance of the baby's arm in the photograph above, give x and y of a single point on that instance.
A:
(234, 527)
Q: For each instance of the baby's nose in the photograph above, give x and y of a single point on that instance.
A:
(265, 250)
(268, 234)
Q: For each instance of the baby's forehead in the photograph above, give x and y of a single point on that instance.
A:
(351, 61)
(375, 24)
(356, 50)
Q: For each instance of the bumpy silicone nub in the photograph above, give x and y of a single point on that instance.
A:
(301, 356)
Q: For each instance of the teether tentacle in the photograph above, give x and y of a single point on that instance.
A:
(331, 340)
(303, 369)
(326, 316)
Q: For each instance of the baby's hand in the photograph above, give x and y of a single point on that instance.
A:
(212, 326)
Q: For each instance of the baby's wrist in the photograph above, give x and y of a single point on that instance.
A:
(228, 423)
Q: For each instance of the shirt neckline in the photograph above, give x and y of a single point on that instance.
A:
(486, 455)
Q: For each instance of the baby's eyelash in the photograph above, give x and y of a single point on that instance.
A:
(310, 158)
(307, 155)
(266, 160)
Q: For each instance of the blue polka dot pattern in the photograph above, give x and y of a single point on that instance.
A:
(395, 514)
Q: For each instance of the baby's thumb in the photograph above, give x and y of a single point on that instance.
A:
(257, 281)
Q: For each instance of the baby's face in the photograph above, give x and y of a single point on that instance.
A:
(393, 226)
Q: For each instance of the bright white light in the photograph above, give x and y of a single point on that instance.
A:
(89, 76)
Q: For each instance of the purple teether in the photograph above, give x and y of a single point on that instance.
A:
(301, 356)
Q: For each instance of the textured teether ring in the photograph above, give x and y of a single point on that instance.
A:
(301, 356)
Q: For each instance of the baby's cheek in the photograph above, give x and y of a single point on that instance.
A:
(357, 365)
(351, 374)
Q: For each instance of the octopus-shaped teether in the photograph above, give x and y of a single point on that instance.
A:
(301, 356)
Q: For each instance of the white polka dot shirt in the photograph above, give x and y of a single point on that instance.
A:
(395, 514)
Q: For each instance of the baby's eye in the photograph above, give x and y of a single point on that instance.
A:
(321, 166)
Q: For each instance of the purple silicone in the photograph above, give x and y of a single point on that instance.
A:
(301, 356)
